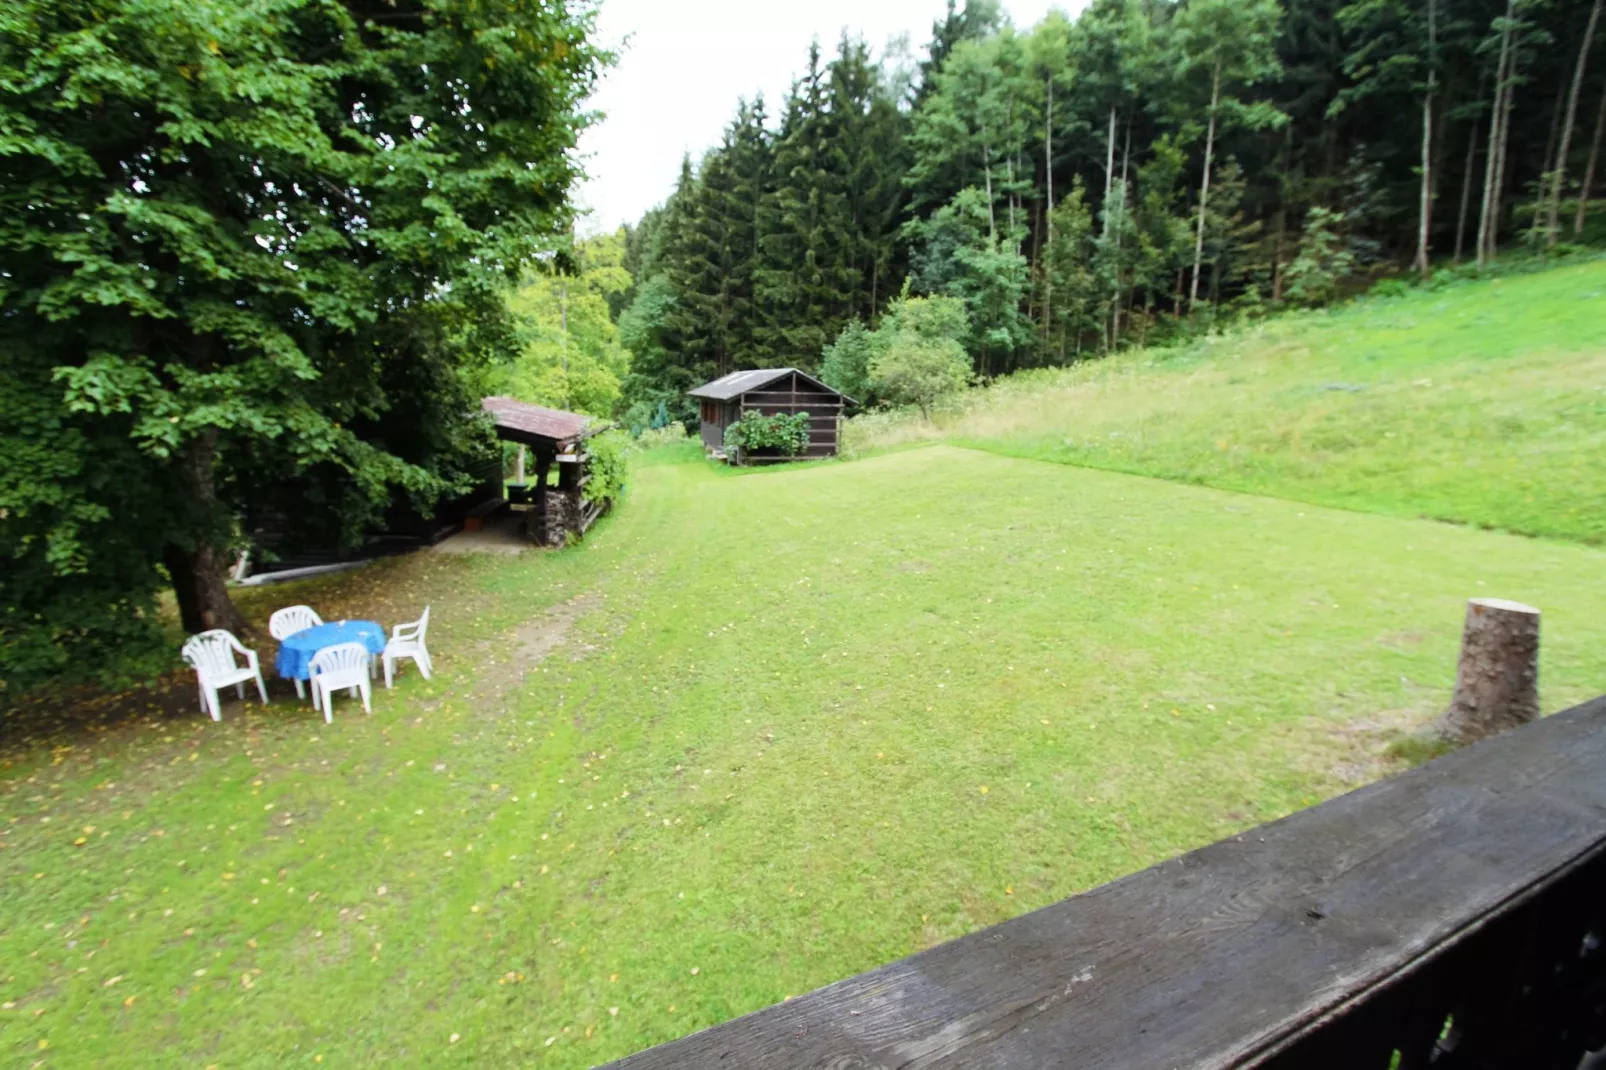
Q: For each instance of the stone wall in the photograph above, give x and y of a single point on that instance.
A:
(562, 517)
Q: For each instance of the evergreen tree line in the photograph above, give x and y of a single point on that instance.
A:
(1114, 179)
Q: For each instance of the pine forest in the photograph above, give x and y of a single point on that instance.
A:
(1134, 173)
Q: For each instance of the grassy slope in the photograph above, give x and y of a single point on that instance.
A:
(1483, 403)
(847, 711)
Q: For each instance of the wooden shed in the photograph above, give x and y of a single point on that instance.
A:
(769, 391)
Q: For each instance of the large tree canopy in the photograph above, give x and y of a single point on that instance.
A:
(246, 241)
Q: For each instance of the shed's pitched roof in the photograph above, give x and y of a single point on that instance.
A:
(738, 383)
(524, 419)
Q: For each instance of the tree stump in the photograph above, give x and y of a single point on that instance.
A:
(1497, 679)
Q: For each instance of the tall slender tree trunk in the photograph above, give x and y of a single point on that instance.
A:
(1486, 217)
(1589, 168)
(1009, 163)
(1109, 156)
(1425, 200)
(1466, 191)
(1282, 215)
(987, 160)
(1048, 227)
(563, 339)
(1126, 208)
(1548, 168)
(1425, 207)
(1502, 174)
(1277, 254)
(1559, 179)
(1204, 185)
(197, 571)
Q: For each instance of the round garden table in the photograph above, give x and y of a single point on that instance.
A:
(296, 651)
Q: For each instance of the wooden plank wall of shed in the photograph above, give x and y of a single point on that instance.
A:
(794, 394)
(724, 414)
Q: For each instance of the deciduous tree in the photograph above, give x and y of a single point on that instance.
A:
(250, 237)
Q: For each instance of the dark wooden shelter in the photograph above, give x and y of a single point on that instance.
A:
(555, 438)
(769, 391)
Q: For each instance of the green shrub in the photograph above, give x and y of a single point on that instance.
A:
(670, 434)
(608, 466)
(914, 371)
(787, 432)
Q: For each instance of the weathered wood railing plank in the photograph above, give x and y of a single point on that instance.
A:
(1222, 956)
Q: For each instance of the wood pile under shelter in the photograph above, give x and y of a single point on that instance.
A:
(555, 438)
(769, 391)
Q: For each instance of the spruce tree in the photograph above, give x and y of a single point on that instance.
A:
(800, 284)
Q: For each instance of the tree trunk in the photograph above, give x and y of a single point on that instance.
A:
(1204, 186)
(1560, 177)
(987, 161)
(197, 571)
(1425, 207)
(1010, 172)
(1466, 192)
(1126, 209)
(1278, 249)
(1497, 678)
(1048, 245)
(1502, 172)
(1109, 156)
(1277, 255)
(1491, 160)
(1548, 168)
(1425, 201)
(1589, 168)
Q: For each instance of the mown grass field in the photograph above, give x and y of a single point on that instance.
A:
(1480, 403)
(762, 731)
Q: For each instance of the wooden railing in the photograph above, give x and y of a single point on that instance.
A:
(1453, 916)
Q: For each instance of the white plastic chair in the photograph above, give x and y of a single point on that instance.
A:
(288, 621)
(336, 667)
(211, 655)
(407, 641)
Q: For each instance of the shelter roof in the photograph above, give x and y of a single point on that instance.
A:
(519, 421)
(738, 383)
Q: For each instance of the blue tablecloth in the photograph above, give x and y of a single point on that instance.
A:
(295, 652)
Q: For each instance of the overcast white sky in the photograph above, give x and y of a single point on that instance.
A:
(687, 61)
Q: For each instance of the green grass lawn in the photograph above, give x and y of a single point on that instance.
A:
(761, 731)
(1482, 403)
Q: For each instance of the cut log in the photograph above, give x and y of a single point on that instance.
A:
(1497, 679)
